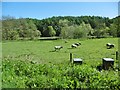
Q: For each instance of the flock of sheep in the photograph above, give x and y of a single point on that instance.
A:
(75, 45)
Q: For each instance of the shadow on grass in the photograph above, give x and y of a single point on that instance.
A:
(70, 48)
(52, 51)
(99, 67)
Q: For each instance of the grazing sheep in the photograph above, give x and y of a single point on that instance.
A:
(112, 46)
(74, 46)
(58, 47)
(78, 44)
(109, 45)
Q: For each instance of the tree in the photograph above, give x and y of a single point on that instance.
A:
(19, 28)
(106, 32)
(9, 31)
(99, 31)
(67, 29)
(49, 32)
(13, 35)
(89, 30)
(32, 32)
(82, 30)
(76, 31)
(64, 23)
(115, 27)
(67, 32)
(118, 28)
(64, 26)
(113, 30)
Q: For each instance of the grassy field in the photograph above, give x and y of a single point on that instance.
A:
(43, 51)
(51, 69)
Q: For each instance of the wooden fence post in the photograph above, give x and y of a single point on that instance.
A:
(70, 57)
(116, 55)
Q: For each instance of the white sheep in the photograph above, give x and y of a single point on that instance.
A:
(78, 44)
(111, 46)
(58, 47)
(108, 44)
(74, 46)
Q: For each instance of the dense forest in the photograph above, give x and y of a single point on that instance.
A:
(69, 27)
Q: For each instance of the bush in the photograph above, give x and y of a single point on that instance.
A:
(22, 74)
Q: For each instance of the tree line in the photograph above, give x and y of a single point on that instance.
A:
(62, 26)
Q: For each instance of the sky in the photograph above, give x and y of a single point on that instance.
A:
(60, 0)
(41, 10)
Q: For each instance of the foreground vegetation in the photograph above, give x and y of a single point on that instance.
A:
(19, 74)
(35, 64)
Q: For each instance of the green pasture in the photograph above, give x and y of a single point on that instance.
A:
(42, 51)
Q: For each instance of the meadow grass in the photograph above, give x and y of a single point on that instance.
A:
(91, 50)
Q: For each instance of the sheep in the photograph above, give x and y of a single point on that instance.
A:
(58, 47)
(74, 46)
(112, 46)
(78, 44)
(109, 45)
